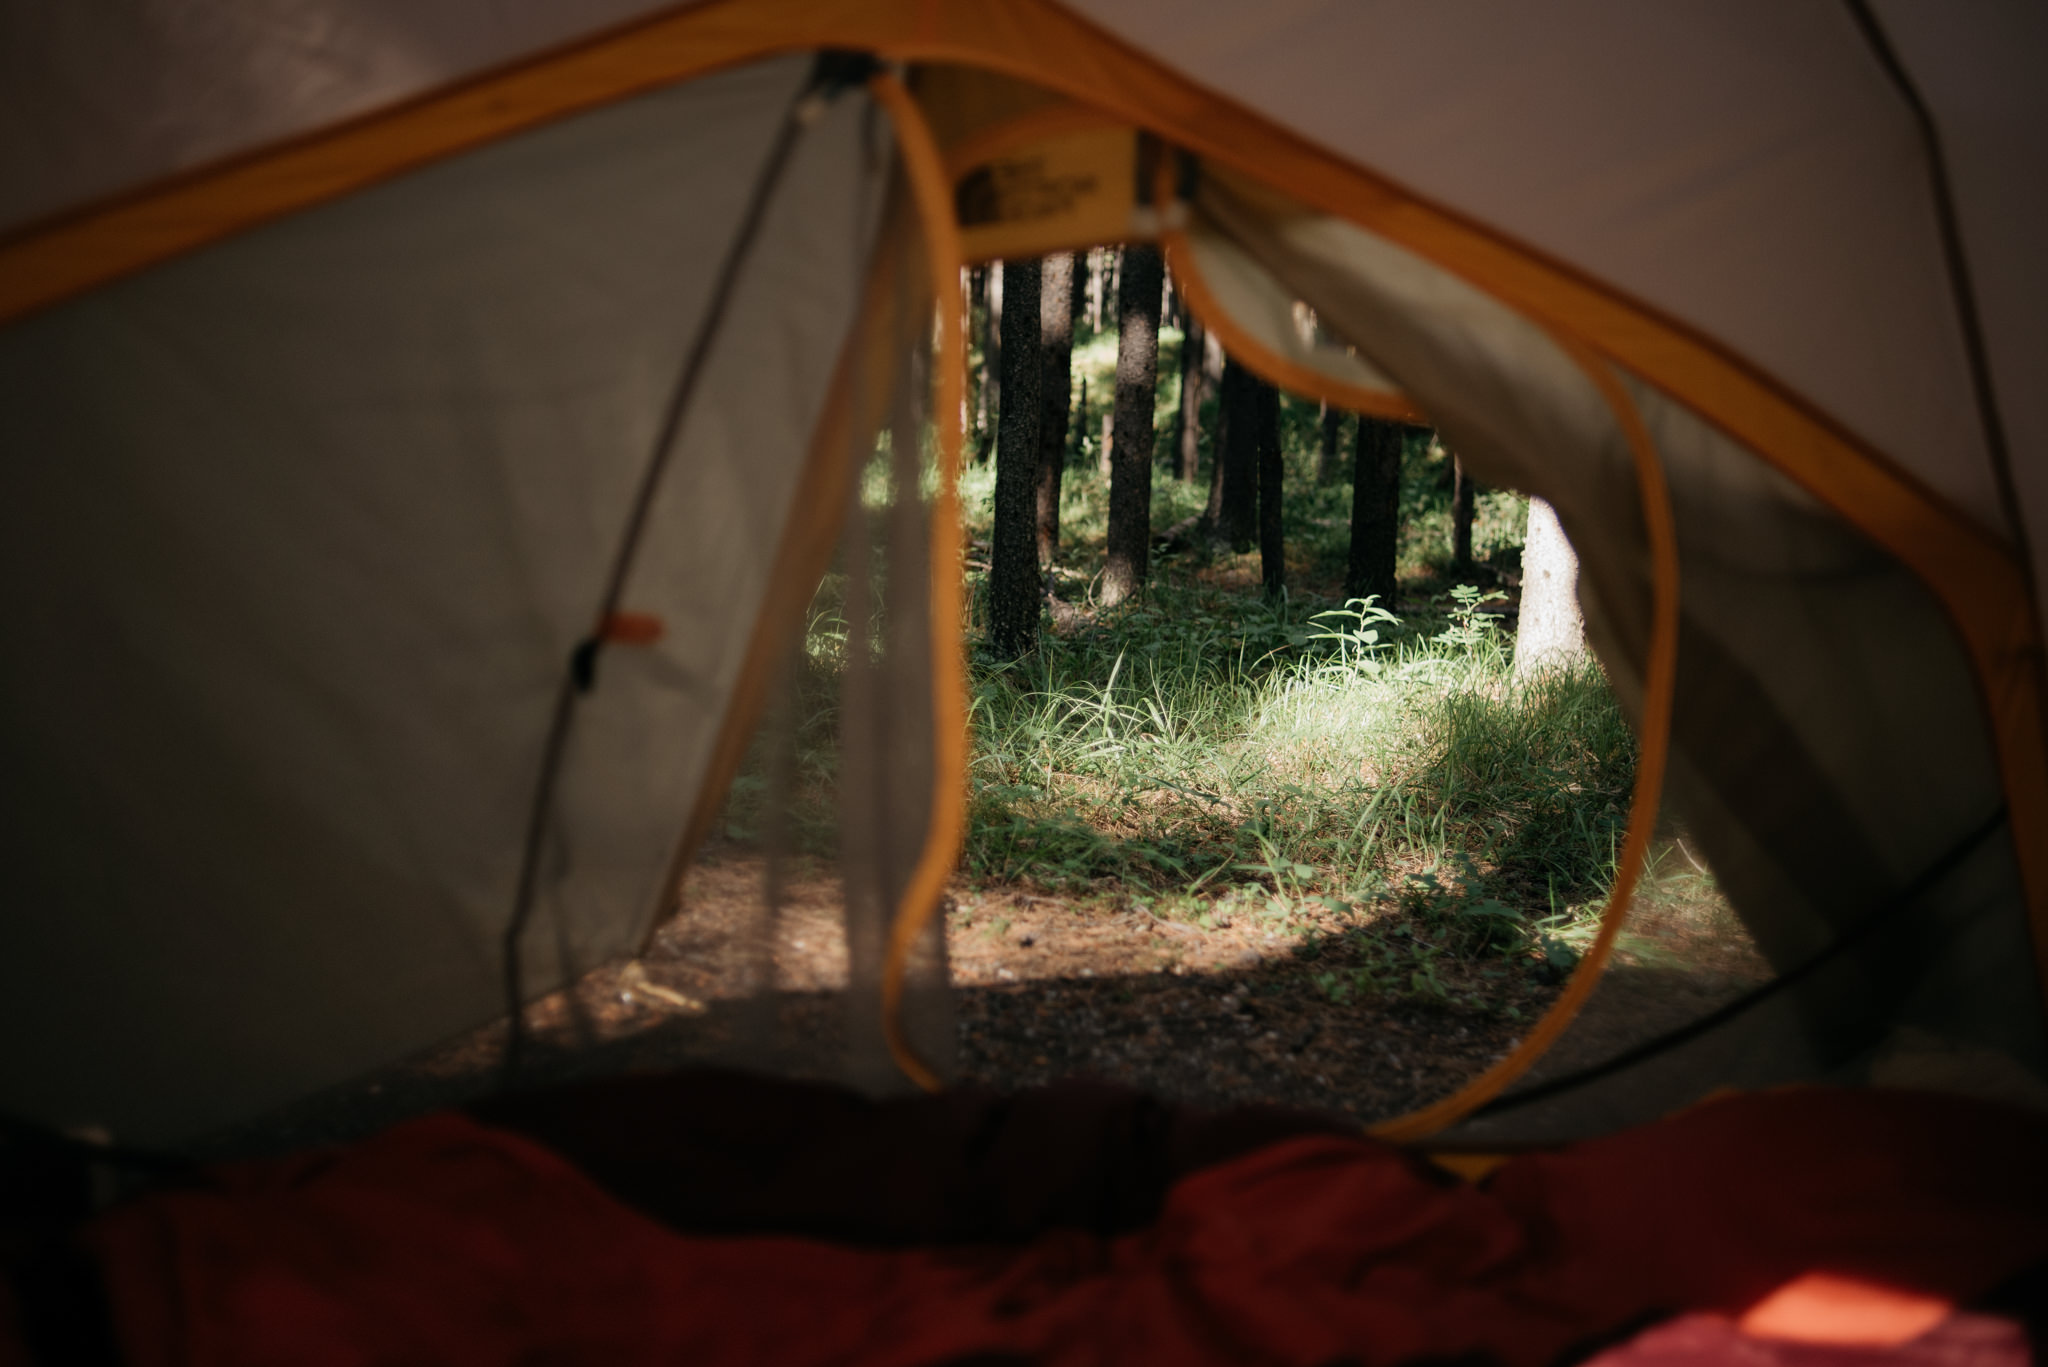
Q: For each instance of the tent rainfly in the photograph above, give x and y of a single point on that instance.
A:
(422, 423)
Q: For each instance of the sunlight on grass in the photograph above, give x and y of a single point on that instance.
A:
(1208, 743)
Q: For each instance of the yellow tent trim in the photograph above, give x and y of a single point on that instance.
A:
(1281, 370)
(948, 824)
(1052, 121)
(1977, 576)
(1660, 687)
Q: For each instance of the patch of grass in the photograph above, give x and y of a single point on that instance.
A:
(1280, 759)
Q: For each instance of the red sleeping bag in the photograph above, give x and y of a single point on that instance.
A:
(449, 1241)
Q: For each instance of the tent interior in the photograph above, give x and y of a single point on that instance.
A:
(428, 435)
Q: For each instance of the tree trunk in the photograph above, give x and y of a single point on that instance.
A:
(1219, 463)
(1137, 382)
(1375, 511)
(1550, 633)
(1056, 339)
(1333, 436)
(1188, 422)
(1234, 487)
(1080, 423)
(1014, 585)
(977, 319)
(1272, 471)
(992, 357)
(1461, 515)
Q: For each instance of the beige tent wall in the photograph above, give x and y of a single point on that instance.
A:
(1745, 168)
(96, 99)
(303, 529)
(1828, 743)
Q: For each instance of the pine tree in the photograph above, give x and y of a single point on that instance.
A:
(1014, 585)
(1193, 385)
(1462, 496)
(1056, 343)
(1333, 437)
(991, 357)
(1272, 474)
(1137, 377)
(1233, 511)
(1375, 511)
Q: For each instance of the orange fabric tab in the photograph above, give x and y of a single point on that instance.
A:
(632, 628)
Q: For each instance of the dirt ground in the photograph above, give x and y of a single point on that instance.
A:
(1046, 987)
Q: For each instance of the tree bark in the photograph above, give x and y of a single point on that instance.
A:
(1219, 462)
(1550, 633)
(977, 318)
(1461, 515)
(1080, 423)
(1056, 341)
(1187, 425)
(1375, 512)
(992, 357)
(1137, 383)
(1234, 486)
(1272, 472)
(1014, 585)
(1333, 435)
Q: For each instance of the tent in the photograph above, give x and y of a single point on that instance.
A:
(423, 425)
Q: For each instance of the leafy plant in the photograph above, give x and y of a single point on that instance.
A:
(1353, 632)
(1471, 626)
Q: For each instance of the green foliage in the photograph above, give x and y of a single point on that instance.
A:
(1265, 754)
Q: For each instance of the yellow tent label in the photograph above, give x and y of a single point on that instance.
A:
(1076, 190)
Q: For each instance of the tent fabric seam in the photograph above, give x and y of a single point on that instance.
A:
(1982, 582)
(926, 43)
(1289, 375)
(27, 276)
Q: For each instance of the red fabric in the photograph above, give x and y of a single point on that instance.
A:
(1712, 1341)
(443, 1241)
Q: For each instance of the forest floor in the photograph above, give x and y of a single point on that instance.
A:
(1047, 987)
